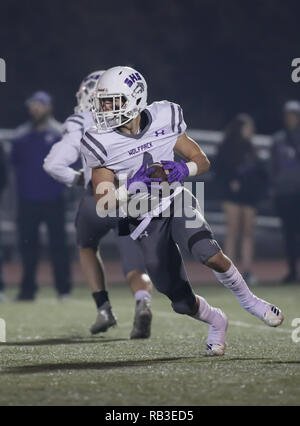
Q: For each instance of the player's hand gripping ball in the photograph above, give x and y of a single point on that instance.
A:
(178, 170)
(158, 172)
(143, 175)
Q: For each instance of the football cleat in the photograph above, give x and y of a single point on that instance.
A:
(105, 319)
(215, 345)
(273, 317)
(64, 297)
(217, 349)
(142, 320)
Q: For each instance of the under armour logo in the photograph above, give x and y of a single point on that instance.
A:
(161, 133)
(144, 234)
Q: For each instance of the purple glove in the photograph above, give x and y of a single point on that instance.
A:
(178, 170)
(142, 175)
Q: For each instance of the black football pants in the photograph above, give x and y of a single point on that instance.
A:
(288, 208)
(30, 215)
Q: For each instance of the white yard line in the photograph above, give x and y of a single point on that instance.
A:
(259, 327)
(234, 323)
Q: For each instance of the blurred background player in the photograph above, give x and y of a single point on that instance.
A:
(241, 180)
(3, 181)
(285, 179)
(90, 229)
(39, 198)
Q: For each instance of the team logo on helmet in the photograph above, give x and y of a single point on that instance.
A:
(132, 79)
(140, 88)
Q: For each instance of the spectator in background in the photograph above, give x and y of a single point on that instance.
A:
(241, 180)
(3, 179)
(40, 198)
(285, 178)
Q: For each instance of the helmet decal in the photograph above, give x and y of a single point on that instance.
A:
(132, 78)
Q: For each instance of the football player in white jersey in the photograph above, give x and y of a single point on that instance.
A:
(90, 228)
(131, 136)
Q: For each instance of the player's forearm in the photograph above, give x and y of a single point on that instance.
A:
(61, 173)
(198, 164)
(57, 163)
(197, 161)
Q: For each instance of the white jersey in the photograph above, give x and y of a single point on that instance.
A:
(125, 154)
(67, 151)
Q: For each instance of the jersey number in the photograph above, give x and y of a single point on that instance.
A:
(147, 159)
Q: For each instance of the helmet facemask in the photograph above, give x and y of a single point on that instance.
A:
(84, 97)
(116, 116)
(85, 92)
(120, 96)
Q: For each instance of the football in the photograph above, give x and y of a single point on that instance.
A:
(159, 172)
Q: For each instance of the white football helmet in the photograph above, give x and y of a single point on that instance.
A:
(86, 89)
(125, 91)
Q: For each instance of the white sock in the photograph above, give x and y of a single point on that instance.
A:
(142, 294)
(215, 318)
(234, 281)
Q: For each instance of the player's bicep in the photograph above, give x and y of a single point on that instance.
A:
(190, 150)
(186, 147)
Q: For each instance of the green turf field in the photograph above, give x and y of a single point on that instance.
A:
(50, 358)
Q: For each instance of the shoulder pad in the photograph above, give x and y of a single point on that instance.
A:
(170, 114)
(74, 123)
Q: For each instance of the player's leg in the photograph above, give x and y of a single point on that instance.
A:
(199, 241)
(54, 217)
(141, 288)
(134, 269)
(232, 216)
(89, 231)
(29, 218)
(93, 269)
(165, 266)
(228, 275)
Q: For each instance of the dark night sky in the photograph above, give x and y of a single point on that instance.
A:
(214, 57)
